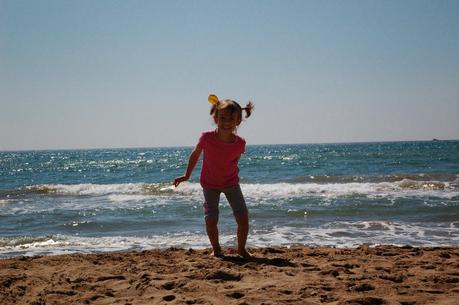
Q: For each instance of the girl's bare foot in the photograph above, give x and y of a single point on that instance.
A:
(244, 253)
(217, 252)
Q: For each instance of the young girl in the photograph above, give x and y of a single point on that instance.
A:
(222, 149)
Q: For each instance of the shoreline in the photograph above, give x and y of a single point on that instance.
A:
(365, 275)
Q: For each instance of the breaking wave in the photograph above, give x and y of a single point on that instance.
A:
(403, 188)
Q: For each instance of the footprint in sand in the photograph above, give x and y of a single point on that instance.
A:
(168, 286)
(364, 301)
(364, 287)
(235, 295)
(169, 297)
(223, 276)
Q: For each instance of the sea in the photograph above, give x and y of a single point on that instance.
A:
(341, 195)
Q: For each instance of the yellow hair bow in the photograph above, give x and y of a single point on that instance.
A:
(213, 99)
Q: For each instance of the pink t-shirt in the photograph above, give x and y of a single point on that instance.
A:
(220, 165)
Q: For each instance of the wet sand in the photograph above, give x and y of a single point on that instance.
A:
(298, 275)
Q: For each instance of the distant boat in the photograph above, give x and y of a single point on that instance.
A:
(435, 140)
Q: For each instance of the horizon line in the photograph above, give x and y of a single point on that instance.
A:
(188, 146)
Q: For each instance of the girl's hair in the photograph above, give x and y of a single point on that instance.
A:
(232, 106)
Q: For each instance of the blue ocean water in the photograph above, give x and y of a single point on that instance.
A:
(402, 193)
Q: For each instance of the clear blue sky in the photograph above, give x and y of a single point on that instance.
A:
(89, 74)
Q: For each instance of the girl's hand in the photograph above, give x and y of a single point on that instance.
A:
(179, 180)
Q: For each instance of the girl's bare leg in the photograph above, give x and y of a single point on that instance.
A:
(242, 232)
(212, 233)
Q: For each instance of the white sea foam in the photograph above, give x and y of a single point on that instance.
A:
(337, 190)
(62, 244)
(338, 234)
(133, 195)
(87, 189)
(118, 198)
(350, 234)
(399, 189)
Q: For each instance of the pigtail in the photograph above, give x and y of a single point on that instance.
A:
(248, 109)
(214, 101)
(213, 110)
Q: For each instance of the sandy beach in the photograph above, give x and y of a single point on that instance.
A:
(297, 275)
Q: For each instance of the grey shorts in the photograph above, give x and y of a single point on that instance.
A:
(232, 193)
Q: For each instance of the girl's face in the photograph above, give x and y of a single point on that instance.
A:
(227, 120)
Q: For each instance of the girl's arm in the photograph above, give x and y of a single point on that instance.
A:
(194, 157)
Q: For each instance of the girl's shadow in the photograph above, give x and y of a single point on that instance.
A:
(278, 262)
